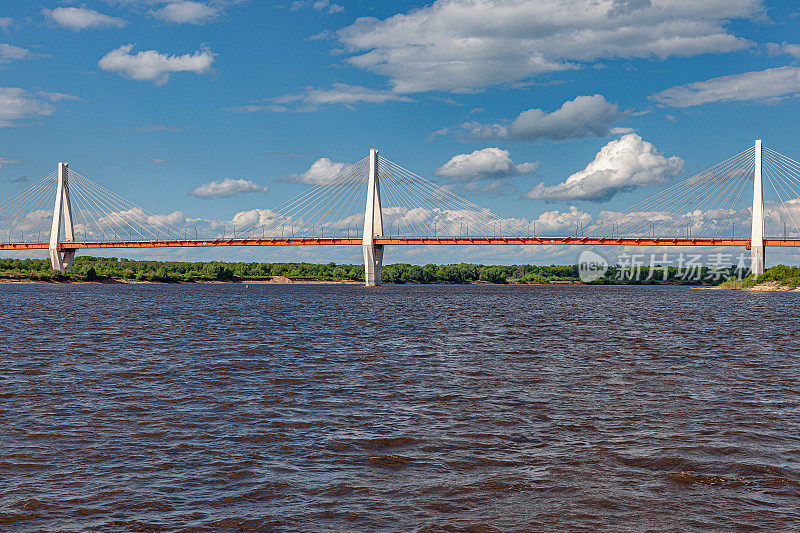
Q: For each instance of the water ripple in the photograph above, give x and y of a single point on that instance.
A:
(296, 408)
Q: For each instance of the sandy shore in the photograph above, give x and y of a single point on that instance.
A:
(767, 286)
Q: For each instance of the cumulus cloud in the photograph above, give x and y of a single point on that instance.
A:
(325, 6)
(560, 222)
(203, 227)
(489, 163)
(790, 49)
(706, 221)
(9, 52)
(185, 12)
(226, 188)
(754, 85)
(150, 65)
(16, 104)
(6, 23)
(464, 45)
(444, 221)
(322, 170)
(79, 18)
(311, 98)
(578, 118)
(621, 165)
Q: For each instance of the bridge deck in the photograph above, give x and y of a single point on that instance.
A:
(401, 241)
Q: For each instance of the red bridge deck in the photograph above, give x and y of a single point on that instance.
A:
(401, 241)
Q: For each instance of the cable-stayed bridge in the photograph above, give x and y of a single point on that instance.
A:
(749, 200)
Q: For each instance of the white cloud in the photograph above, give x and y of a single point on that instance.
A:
(6, 23)
(463, 45)
(621, 165)
(341, 93)
(755, 85)
(16, 104)
(226, 188)
(322, 170)
(560, 223)
(621, 131)
(440, 132)
(424, 221)
(489, 163)
(253, 217)
(791, 49)
(707, 221)
(153, 66)
(311, 98)
(160, 161)
(57, 97)
(320, 5)
(185, 225)
(578, 118)
(79, 18)
(186, 12)
(151, 128)
(9, 52)
(257, 108)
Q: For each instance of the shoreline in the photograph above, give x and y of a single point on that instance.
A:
(283, 280)
(767, 286)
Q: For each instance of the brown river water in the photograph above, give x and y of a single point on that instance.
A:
(399, 408)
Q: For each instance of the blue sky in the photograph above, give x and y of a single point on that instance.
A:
(500, 101)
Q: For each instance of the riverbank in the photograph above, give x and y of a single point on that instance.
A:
(767, 286)
(283, 280)
(114, 270)
(88, 269)
(780, 278)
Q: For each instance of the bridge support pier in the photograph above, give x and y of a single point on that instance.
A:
(62, 209)
(757, 256)
(373, 225)
(373, 264)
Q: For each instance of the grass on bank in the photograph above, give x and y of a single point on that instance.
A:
(782, 275)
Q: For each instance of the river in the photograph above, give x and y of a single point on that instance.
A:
(414, 408)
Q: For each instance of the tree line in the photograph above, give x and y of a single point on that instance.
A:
(103, 268)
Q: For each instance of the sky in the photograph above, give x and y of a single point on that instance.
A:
(568, 108)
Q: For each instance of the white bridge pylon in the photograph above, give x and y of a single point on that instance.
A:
(63, 208)
(757, 255)
(373, 225)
